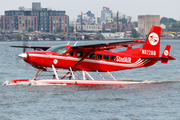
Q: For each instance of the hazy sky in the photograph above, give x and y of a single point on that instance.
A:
(133, 8)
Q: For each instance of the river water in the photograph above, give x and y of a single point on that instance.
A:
(159, 100)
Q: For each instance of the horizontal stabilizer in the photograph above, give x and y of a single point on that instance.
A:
(162, 59)
(159, 58)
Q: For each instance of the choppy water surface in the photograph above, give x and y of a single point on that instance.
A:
(159, 100)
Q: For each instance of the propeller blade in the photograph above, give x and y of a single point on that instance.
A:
(24, 44)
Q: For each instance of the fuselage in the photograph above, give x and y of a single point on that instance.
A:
(79, 59)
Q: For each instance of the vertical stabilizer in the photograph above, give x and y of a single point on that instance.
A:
(152, 47)
(165, 55)
(166, 51)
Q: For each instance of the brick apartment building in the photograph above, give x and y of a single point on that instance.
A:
(20, 23)
(58, 22)
(40, 19)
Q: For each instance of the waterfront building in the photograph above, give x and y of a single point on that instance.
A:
(107, 26)
(39, 19)
(163, 26)
(122, 27)
(145, 23)
(90, 28)
(58, 22)
(19, 23)
(117, 35)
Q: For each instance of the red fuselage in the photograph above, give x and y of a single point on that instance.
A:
(88, 60)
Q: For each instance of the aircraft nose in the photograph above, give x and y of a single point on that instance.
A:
(23, 55)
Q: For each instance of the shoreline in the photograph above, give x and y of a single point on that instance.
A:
(85, 40)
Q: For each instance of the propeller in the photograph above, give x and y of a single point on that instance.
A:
(18, 57)
(24, 44)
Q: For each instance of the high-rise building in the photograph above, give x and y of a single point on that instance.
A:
(90, 14)
(145, 23)
(41, 19)
(106, 14)
(36, 6)
(88, 18)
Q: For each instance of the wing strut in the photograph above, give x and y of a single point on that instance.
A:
(84, 57)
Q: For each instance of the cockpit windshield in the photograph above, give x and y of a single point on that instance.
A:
(58, 49)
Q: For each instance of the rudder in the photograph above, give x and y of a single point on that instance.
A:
(152, 47)
(165, 55)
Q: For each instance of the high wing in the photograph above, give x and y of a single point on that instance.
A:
(108, 46)
(97, 46)
(43, 47)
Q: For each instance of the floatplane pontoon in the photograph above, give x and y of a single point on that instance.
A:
(69, 78)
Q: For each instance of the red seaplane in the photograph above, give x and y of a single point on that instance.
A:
(92, 57)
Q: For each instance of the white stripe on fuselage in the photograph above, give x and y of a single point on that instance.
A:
(140, 62)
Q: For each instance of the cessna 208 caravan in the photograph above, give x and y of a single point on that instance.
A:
(94, 57)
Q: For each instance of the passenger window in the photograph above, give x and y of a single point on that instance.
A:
(106, 57)
(92, 55)
(99, 56)
(79, 54)
(113, 58)
(71, 53)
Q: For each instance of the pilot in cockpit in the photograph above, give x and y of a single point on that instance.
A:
(62, 50)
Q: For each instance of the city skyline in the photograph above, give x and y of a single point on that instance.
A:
(132, 8)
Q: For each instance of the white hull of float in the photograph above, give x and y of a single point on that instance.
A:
(69, 82)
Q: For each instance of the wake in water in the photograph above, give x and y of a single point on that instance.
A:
(154, 81)
(172, 80)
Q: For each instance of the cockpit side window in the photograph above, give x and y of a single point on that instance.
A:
(71, 53)
(58, 49)
(79, 54)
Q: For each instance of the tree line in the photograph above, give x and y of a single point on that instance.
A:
(170, 22)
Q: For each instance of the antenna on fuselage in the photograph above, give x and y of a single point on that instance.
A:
(75, 43)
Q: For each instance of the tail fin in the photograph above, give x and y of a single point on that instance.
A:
(152, 47)
(165, 55)
(166, 51)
